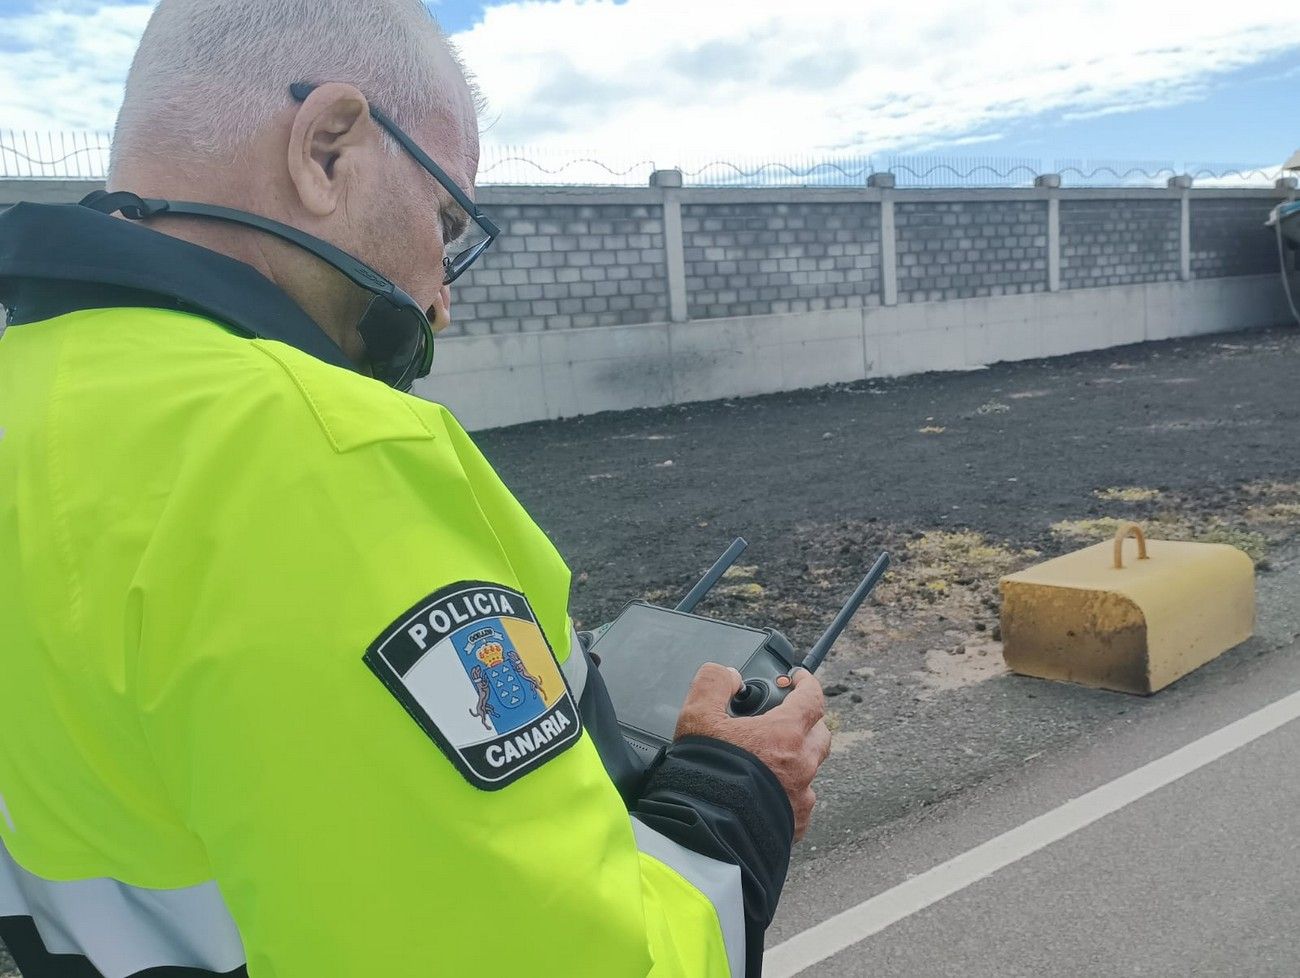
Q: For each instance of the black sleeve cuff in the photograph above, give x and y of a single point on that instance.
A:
(721, 801)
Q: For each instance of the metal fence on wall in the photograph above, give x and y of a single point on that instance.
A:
(27, 154)
(525, 165)
(53, 155)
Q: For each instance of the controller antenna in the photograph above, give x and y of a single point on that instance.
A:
(823, 645)
(711, 577)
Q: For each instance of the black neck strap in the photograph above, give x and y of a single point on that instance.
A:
(138, 208)
(395, 330)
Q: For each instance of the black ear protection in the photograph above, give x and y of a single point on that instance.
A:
(395, 330)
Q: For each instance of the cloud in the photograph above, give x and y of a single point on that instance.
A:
(64, 65)
(690, 80)
(686, 79)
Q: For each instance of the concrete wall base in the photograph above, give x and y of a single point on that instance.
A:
(489, 381)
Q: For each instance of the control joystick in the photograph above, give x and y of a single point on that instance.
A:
(751, 698)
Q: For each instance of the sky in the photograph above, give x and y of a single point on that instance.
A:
(685, 80)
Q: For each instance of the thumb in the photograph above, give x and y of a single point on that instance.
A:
(713, 686)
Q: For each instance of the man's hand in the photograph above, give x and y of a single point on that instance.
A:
(792, 739)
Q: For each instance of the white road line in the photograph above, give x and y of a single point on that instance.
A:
(872, 916)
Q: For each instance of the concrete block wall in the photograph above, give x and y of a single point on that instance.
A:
(566, 266)
(744, 259)
(603, 299)
(1119, 242)
(1226, 238)
(572, 372)
(964, 250)
(588, 257)
(46, 191)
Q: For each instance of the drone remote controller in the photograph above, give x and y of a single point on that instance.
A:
(649, 655)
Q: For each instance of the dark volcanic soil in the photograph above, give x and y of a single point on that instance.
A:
(963, 477)
(1198, 417)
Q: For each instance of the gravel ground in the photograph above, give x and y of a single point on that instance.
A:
(963, 477)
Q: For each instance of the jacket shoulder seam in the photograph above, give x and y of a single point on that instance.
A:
(338, 440)
(287, 367)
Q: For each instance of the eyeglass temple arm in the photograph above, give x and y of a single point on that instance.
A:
(300, 91)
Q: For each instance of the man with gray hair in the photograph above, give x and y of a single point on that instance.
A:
(290, 686)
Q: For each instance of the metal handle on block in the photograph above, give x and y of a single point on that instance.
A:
(1125, 531)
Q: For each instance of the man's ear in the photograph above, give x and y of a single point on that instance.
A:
(328, 136)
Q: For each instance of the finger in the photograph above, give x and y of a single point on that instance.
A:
(803, 813)
(714, 685)
(819, 740)
(806, 697)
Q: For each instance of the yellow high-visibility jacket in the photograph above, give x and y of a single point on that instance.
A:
(288, 687)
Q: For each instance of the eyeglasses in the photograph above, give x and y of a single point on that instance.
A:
(453, 268)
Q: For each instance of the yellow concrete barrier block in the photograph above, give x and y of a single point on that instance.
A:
(1133, 625)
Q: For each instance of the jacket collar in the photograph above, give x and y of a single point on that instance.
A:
(60, 258)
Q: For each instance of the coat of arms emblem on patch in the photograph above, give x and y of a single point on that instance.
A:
(472, 666)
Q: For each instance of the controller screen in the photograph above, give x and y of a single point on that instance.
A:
(649, 656)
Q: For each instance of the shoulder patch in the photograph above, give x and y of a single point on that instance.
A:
(473, 668)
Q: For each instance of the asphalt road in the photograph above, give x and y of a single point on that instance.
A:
(1198, 877)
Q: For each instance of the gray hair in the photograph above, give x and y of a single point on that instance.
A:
(210, 73)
